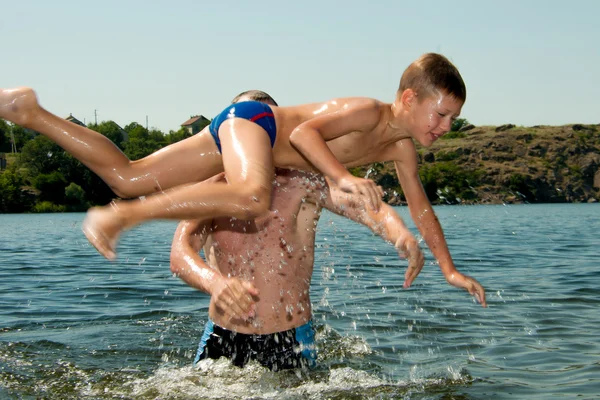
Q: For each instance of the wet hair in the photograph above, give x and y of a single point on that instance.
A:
(255, 95)
(432, 72)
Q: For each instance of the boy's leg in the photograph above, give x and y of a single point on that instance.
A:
(248, 162)
(93, 149)
(191, 160)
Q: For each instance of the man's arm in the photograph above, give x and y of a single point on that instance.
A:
(186, 262)
(231, 296)
(385, 222)
(427, 222)
(310, 138)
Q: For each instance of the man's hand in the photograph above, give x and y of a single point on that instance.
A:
(362, 187)
(408, 248)
(234, 298)
(470, 285)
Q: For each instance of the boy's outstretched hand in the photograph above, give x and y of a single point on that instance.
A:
(470, 285)
(408, 247)
(362, 187)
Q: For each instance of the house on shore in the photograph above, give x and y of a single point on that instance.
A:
(195, 124)
(74, 120)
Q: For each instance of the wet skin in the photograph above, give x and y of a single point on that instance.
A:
(261, 269)
(356, 130)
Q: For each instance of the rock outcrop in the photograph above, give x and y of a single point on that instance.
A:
(505, 164)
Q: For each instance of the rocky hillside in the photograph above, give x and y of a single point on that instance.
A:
(505, 164)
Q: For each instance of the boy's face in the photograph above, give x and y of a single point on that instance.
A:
(433, 116)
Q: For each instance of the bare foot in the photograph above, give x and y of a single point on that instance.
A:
(102, 227)
(18, 105)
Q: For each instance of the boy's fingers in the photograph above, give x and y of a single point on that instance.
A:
(408, 280)
(411, 274)
(481, 297)
(479, 292)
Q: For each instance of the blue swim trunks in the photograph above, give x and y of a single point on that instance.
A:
(254, 111)
(294, 348)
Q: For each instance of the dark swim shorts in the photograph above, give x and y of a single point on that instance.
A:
(294, 348)
(254, 111)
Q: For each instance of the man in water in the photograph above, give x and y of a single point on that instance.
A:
(258, 272)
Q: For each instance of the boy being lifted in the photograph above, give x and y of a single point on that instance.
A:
(253, 138)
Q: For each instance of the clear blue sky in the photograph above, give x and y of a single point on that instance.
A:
(524, 62)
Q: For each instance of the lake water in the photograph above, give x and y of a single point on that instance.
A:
(73, 325)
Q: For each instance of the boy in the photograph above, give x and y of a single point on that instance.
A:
(328, 137)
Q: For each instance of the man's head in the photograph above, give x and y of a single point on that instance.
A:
(254, 95)
(432, 93)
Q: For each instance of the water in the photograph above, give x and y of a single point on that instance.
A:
(73, 325)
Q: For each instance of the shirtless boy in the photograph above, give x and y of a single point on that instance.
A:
(326, 136)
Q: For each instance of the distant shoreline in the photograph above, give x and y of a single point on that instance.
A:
(477, 165)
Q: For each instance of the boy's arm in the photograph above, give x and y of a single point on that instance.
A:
(385, 223)
(427, 222)
(230, 295)
(310, 138)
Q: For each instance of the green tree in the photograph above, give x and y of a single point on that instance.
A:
(96, 191)
(12, 197)
(459, 123)
(41, 155)
(75, 197)
(142, 142)
(74, 194)
(21, 136)
(51, 186)
(176, 136)
(48, 207)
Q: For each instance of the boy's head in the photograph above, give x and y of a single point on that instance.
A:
(254, 95)
(431, 96)
(433, 73)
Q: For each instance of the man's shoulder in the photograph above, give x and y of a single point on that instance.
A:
(300, 185)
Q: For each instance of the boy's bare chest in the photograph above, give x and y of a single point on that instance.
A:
(356, 148)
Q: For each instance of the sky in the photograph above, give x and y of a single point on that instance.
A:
(526, 62)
